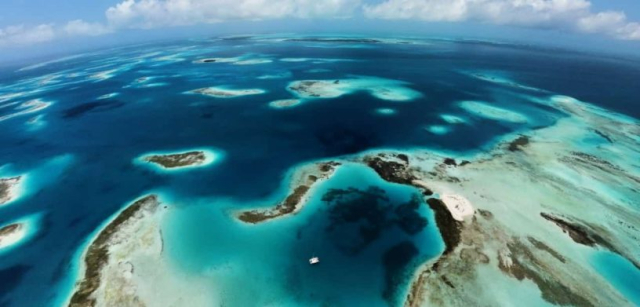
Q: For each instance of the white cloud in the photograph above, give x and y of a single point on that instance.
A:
(23, 35)
(573, 15)
(560, 14)
(157, 13)
(82, 28)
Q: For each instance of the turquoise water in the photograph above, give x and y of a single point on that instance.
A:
(622, 274)
(268, 263)
(79, 153)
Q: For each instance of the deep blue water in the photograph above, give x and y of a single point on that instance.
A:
(260, 143)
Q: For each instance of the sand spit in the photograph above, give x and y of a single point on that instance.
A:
(125, 264)
(537, 201)
(302, 183)
(218, 92)
(9, 189)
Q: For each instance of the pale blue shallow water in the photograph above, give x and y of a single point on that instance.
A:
(622, 274)
(79, 160)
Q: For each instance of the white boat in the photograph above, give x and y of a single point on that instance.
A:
(314, 260)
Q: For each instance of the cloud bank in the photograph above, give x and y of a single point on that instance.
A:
(563, 15)
(23, 35)
(568, 15)
(157, 13)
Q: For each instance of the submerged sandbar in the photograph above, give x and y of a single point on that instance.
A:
(285, 103)
(219, 92)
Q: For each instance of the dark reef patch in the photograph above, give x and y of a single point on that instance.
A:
(517, 144)
(357, 217)
(396, 261)
(578, 233)
(587, 235)
(408, 218)
(95, 106)
(588, 159)
(450, 229)
(390, 170)
(544, 247)
(450, 162)
(524, 265)
(604, 136)
(366, 214)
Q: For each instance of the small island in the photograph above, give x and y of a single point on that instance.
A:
(304, 179)
(8, 188)
(11, 234)
(179, 160)
(385, 89)
(191, 158)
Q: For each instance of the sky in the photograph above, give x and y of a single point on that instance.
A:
(31, 28)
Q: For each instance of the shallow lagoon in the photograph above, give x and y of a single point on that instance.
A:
(270, 260)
